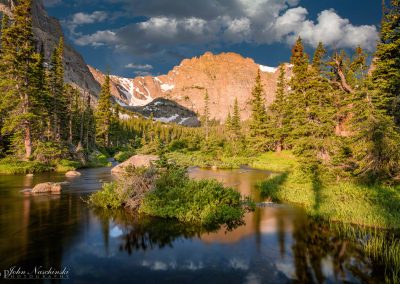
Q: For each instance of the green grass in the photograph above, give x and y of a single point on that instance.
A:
(98, 160)
(199, 159)
(382, 246)
(274, 162)
(122, 156)
(14, 167)
(63, 166)
(344, 201)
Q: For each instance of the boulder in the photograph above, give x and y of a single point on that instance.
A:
(47, 187)
(136, 161)
(72, 174)
(29, 175)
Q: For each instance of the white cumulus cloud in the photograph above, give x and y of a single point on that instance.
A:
(173, 25)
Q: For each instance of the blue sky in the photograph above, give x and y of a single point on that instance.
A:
(140, 37)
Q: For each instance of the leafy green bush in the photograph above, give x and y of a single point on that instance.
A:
(204, 202)
(66, 165)
(107, 198)
(169, 193)
(122, 156)
(97, 160)
(128, 191)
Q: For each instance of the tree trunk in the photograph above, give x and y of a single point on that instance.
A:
(279, 147)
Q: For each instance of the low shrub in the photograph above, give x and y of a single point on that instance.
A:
(122, 156)
(204, 202)
(66, 165)
(169, 193)
(128, 191)
(97, 160)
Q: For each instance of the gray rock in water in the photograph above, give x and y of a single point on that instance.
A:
(47, 187)
(73, 174)
(136, 161)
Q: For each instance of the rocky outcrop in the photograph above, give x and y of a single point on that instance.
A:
(72, 174)
(225, 76)
(136, 161)
(169, 112)
(47, 187)
(47, 32)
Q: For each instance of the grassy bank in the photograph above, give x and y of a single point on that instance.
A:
(344, 201)
(199, 159)
(13, 166)
(169, 193)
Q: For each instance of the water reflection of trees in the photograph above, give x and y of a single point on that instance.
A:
(145, 233)
(316, 244)
(36, 230)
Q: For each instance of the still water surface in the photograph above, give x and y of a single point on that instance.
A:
(275, 245)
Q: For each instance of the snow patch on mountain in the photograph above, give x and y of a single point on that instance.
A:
(124, 116)
(268, 69)
(167, 119)
(128, 89)
(167, 87)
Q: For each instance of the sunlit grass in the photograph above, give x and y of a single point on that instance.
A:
(202, 160)
(10, 166)
(275, 162)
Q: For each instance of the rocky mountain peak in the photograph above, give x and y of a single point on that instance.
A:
(223, 76)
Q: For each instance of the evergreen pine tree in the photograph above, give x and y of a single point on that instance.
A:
(386, 74)
(277, 123)
(58, 101)
(258, 120)
(104, 114)
(16, 60)
(236, 119)
(228, 123)
(206, 115)
(319, 54)
(311, 109)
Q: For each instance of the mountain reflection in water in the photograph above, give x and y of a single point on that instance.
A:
(275, 245)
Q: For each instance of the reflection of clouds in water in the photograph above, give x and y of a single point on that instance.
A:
(286, 268)
(327, 266)
(238, 263)
(252, 278)
(190, 265)
(116, 232)
(163, 266)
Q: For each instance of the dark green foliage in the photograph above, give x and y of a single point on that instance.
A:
(386, 73)
(278, 124)
(312, 111)
(104, 114)
(258, 120)
(17, 54)
(169, 193)
(204, 202)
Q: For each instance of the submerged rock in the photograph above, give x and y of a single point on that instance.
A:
(26, 191)
(136, 161)
(47, 187)
(73, 174)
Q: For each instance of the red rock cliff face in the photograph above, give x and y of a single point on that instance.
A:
(225, 76)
